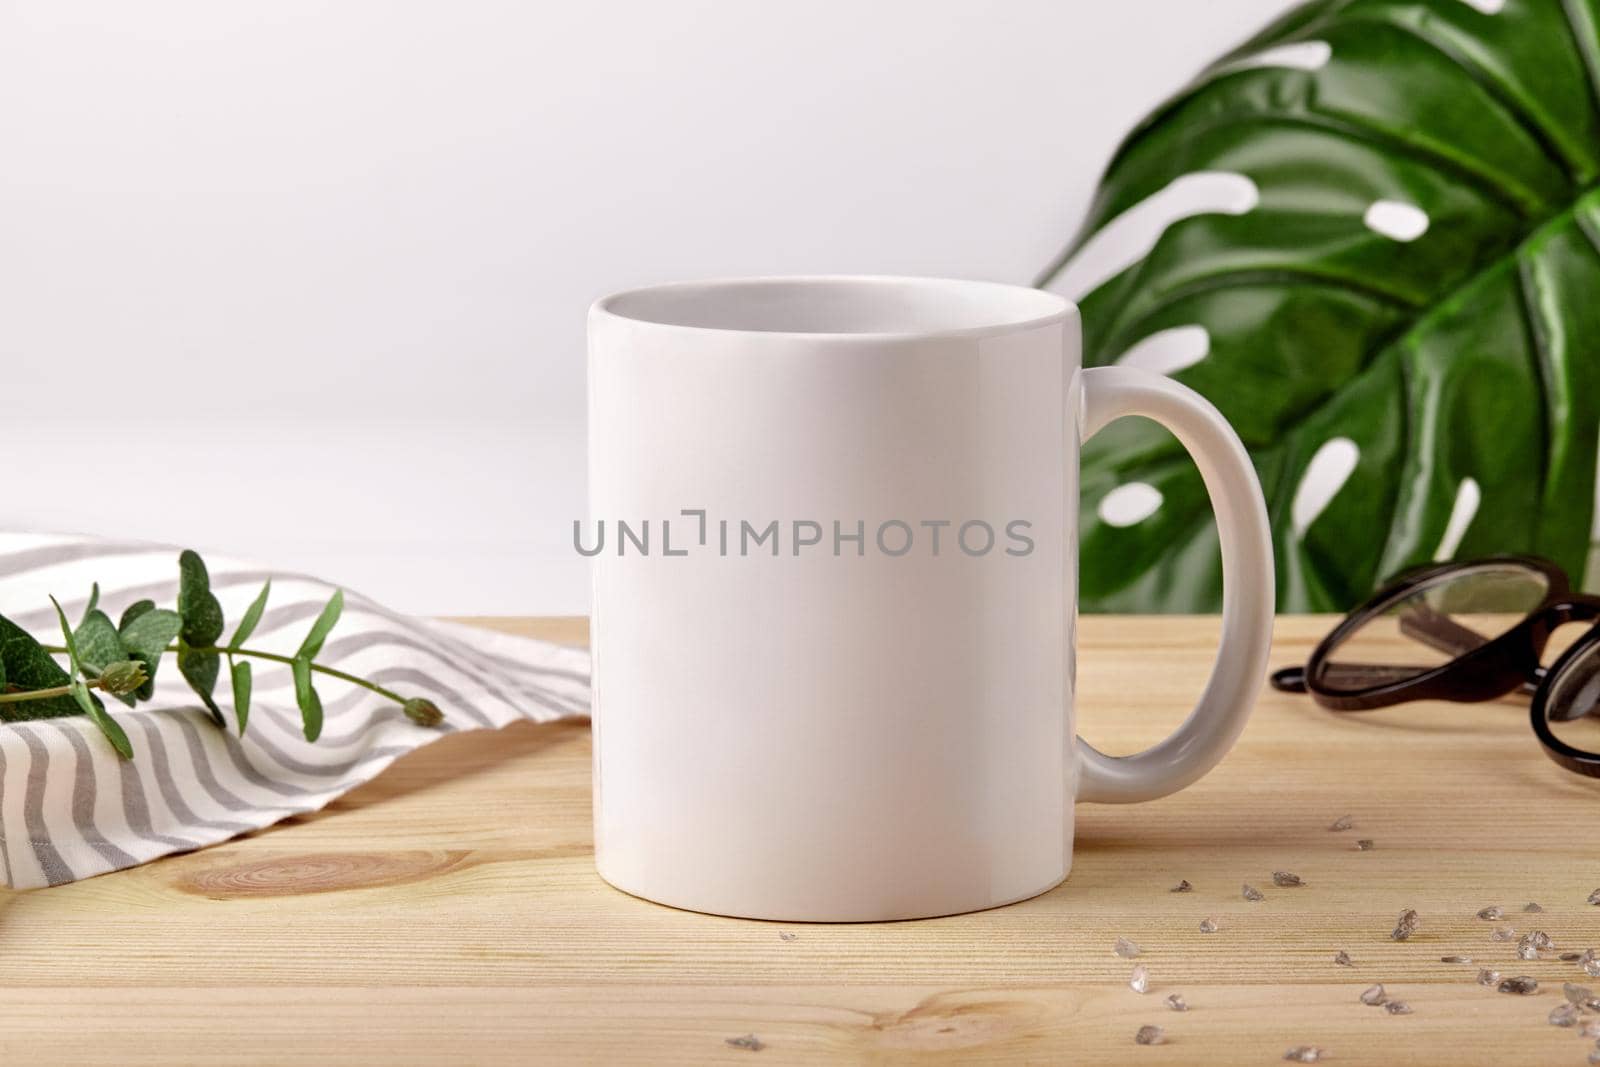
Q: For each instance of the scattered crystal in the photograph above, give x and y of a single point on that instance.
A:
(784, 935)
(1576, 994)
(1374, 995)
(1455, 959)
(1397, 1007)
(1177, 1003)
(1342, 958)
(1209, 926)
(1405, 926)
(748, 1041)
(1539, 940)
(1521, 984)
(1286, 879)
(1502, 933)
(1594, 1055)
(1590, 1028)
(1183, 886)
(1526, 951)
(1564, 1015)
(1594, 898)
(1491, 913)
(1140, 982)
(1125, 948)
(1531, 906)
(1488, 977)
(1150, 1035)
(1342, 823)
(1252, 894)
(1570, 957)
(1364, 844)
(1590, 962)
(1303, 1054)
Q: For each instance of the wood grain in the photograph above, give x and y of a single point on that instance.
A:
(449, 912)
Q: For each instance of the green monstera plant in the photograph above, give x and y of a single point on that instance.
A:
(1371, 235)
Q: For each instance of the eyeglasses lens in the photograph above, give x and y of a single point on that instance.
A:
(1431, 624)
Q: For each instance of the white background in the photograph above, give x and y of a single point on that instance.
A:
(307, 281)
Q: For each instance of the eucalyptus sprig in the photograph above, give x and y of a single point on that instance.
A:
(120, 660)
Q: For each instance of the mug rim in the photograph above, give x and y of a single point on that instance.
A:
(1049, 307)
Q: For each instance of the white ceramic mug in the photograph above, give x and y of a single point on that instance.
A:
(839, 718)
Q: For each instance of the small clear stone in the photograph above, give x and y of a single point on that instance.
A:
(1183, 886)
(1531, 906)
(1521, 984)
(1397, 1007)
(1303, 1054)
(1405, 926)
(1209, 926)
(1177, 1003)
(1488, 977)
(1342, 958)
(1569, 957)
(1150, 1035)
(1564, 1015)
(1525, 951)
(1373, 995)
(1342, 823)
(1592, 968)
(1125, 948)
(749, 1041)
(1140, 982)
(1491, 913)
(1502, 933)
(1590, 1028)
(784, 935)
(1455, 959)
(1594, 1055)
(1286, 879)
(1540, 940)
(1594, 898)
(1576, 994)
(1364, 844)
(1252, 894)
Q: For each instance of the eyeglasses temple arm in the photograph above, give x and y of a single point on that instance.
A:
(1439, 631)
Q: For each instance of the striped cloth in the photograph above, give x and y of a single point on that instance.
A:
(70, 808)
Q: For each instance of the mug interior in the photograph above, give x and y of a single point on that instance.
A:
(839, 305)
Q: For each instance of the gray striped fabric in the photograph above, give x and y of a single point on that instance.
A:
(70, 808)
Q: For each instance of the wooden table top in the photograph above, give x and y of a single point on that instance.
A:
(449, 912)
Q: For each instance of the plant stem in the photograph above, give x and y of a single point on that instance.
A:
(254, 653)
(331, 672)
(44, 694)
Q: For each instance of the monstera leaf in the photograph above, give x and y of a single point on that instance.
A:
(1370, 237)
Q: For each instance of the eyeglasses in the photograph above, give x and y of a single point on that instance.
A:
(1469, 632)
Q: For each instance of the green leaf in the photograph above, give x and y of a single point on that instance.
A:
(322, 627)
(146, 636)
(74, 663)
(26, 665)
(306, 696)
(97, 713)
(94, 600)
(97, 641)
(240, 672)
(98, 645)
(202, 613)
(133, 611)
(1471, 351)
(200, 668)
(81, 696)
(252, 616)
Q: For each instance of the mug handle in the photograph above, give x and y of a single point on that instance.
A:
(1109, 393)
